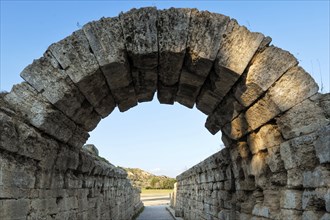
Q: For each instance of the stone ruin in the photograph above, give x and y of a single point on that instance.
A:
(274, 123)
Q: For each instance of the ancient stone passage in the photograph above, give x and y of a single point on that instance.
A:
(274, 123)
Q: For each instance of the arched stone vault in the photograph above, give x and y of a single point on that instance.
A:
(266, 106)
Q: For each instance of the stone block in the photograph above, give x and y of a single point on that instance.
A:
(291, 214)
(227, 110)
(319, 177)
(261, 112)
(274, 160)
(261, 211)
(172, 49)
(324, 103)
(41, 114)
(312, 215)
(17, 173)
(14, 209)
(237, 128)
(45, 206)
(140, 32)
(292, 88)
(8, 133)
(204, 39)
(313, 200)
(325, 216)
(258, 164)
(303, 118)
(56, 86)
(299, 152)
(108, 45)
(92, 149)
(266, 137)
(67, 159)
(291, 199)
(294, 178)
(67, 203)
(326, 196)
(236, 50)
(77, 60)
(322, 145)
(267, 67)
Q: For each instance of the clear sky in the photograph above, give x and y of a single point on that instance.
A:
(163, 139)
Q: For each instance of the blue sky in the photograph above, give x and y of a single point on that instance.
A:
(162, 139)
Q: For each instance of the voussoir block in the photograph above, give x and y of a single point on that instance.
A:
(237, 49)
(206, 32)
(56, 86)
(75, 57)
(140, 34)
(267, 67)
(40, 113)
(172, 30)
(107, 42)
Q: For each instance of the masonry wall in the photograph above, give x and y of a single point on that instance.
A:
(41, 178)
(276, 172)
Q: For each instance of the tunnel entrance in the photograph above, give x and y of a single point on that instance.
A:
(274, 124)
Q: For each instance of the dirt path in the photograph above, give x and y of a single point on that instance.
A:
(155, 207)
(155, 213)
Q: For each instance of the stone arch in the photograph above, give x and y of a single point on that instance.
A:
(274, 123)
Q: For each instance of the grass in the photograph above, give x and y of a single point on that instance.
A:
(156, 191)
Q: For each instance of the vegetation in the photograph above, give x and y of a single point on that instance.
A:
(145, 180)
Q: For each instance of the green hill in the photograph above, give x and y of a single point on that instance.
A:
(145, 180)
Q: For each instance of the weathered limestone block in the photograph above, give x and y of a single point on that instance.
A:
(67, 159)
(299, 152)
(59, 90)
(266, 137)
(25, 140)
(312, 215)
(291, 214)
(322, 144)
(92, 149)
(227, 110)
(75, 58)
(272, 62)
(78, 138)
(324, 102)
(260, 210)
(33, 145)
(8, 133)
(294, 178)
(140, 33)
(17, 174)
(291, 199)
(172, 30)
(204, 38)
(237, 49)
(261, 112)
(44, 206)
(258, 164)
(292, 88)
(14, 209)
(319, 177)
(274, 160)
(325, 216)
(107, 42)
(313, 200)
(237, 128)
(41, 114)
(303, 118)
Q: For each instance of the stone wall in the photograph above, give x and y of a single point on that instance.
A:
(277, 172)
(41, 178)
